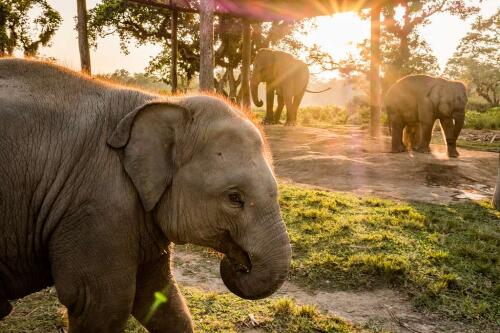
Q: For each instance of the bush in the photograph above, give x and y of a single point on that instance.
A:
(330, 115)
(483, 120)
(478, 104)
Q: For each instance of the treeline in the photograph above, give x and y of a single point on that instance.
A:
(26, 25)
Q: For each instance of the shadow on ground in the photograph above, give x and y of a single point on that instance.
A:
(347, 159)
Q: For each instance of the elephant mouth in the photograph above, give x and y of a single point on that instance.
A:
(238, 259)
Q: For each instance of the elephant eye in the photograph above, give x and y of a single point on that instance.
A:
(236, 199)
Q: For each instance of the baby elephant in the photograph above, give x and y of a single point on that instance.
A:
(97, 180)
(415, 102)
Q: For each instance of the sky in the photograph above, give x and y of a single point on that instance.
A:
(337, 34)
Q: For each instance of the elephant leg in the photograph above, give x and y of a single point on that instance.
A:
(158, 304)
(279, 109)
(448, 127)
(96, 303)
(290, 121)
(268, 119)
(426, 120)
(5, 308)
(425, 137)
(397, 126)
(96, 283)
(411, 135)
(295, 106)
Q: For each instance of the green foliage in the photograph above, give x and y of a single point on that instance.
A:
(136, 80)
(483, 120)
(476, 103)
(329, 115)
(403, 51)
(26, 25)
(444, 256)
(477, 59)
(140, 24)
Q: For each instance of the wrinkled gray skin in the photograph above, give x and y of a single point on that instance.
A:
(284, 76)
(496, 195)
(416, 101)
(96, 181)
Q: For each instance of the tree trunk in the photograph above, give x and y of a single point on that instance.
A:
(206, 45)
(245, 66)
(83, 42)
(375, 72)
(233, 86)
(173, 50)
(496, 195)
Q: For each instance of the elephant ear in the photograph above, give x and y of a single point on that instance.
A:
(438, 96)
(147, 136)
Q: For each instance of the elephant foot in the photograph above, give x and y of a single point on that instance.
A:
(423, 150)
(400, 149)
(453, 153)
(267, 122)
(290, 123)
(5, 308)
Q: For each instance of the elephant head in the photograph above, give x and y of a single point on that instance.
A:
(263, 70)
(449, 99)
(200, 169)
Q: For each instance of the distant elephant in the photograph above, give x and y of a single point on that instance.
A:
(97, 180)
(284, 76)
(416, 101)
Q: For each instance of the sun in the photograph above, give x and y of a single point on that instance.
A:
(338, 34)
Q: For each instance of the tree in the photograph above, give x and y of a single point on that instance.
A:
(7, 39)
(83, 42)
(420, 59)
(403, 50)
(403, 41)
(477, 59)
(26, 25)
(206, 45)
(141, 24)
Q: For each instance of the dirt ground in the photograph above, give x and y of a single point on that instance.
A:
(347, 159)
(381, 309)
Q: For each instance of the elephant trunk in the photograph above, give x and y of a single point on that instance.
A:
(260, 266)
(254, 87)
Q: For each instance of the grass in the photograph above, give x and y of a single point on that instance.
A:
(445, 256)
(489, 119)
(327, 116)
(437, 138)
(482, 146)
(224, 313)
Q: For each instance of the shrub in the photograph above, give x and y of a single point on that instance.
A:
(485, 120)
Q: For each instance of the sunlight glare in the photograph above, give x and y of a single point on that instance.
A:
(339, 34)
(399, 12)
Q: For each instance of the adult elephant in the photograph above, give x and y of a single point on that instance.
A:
(96, 181)
(285, 77)
(416, 101)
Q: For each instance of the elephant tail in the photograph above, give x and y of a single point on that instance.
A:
(318, 92)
